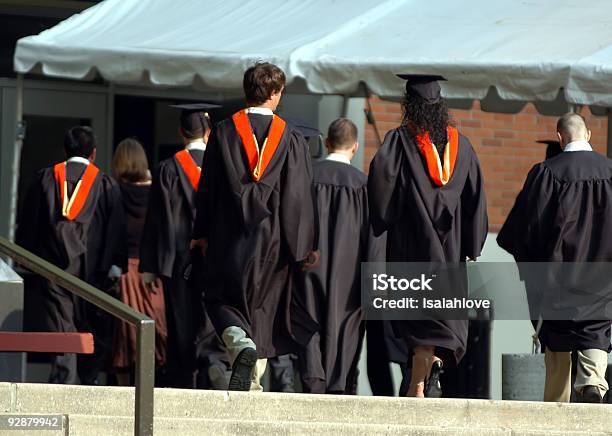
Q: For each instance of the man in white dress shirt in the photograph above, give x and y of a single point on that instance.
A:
(564, 214)
(327, 302)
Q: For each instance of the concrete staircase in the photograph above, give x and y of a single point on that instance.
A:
(109, 411)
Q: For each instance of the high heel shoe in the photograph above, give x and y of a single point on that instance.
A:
(433, 389)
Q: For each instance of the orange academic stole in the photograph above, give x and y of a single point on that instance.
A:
(440, 172)
(71, 207)
(191, 170)
(258, 158)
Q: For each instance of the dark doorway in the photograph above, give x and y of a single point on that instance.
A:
(135, 118)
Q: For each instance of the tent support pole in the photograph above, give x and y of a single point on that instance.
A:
(609, 151)
(345, 106)
(19, 136)
(110, 120)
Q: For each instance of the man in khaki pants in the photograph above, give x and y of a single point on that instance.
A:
(590, 382)
(564, 214)
(255, 223)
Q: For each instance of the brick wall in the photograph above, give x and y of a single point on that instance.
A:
(505, 144)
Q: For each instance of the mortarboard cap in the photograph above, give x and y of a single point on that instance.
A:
(553, 147)
(425, 86)
(549, 142)
(303, 127)
(194, 118)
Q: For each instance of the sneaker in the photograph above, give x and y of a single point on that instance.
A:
(242, 370)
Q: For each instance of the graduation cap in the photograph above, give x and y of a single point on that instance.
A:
(194, 118)
(303, 127)
(425, 86)
(553, 148)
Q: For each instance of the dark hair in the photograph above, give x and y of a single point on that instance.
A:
(420, 117)
(130, 163)
(79, 141)
(342, 134)
(261, 80)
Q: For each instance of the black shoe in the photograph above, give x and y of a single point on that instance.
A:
(242, 371)
(432, 384)
(590, 394)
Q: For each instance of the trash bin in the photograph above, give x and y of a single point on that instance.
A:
(12, 365)
(523, 377)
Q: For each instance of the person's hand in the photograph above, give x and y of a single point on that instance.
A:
(312, 260)
(111, 283)
(148, 277)
(202, 244)
(114, 272)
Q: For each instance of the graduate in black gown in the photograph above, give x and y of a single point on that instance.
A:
(73, 218)
(330, 294)
(255, 217)
(165, 250)
(426, 190)
(564, 214)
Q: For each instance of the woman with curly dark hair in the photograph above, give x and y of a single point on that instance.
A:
(426, 190)
(420, 118)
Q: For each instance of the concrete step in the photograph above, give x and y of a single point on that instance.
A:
(86, 425)
(122, 426)
(272, 408)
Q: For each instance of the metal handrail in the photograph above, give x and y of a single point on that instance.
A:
(145, 360)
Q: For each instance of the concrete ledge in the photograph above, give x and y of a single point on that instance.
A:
(6, 396)
(119, 426)
(520, 416)
(68, 399)
(81, 425)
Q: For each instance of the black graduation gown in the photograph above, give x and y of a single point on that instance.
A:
(330, 294)
(86, 247)
(164, 251)
(564, 214)
(257, 232)
(166, 235)
(427, 223)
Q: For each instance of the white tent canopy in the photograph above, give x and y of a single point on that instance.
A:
(527, 50)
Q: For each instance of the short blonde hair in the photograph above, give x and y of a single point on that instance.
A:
(572, 126)
(130, 162)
